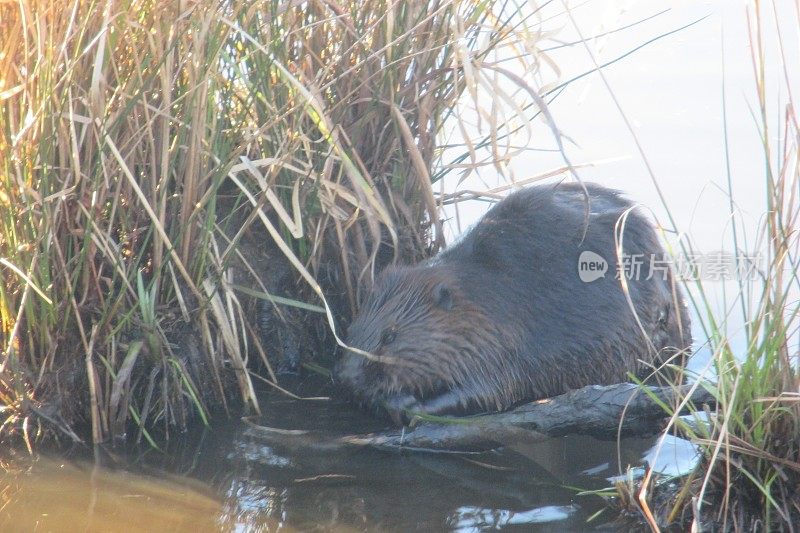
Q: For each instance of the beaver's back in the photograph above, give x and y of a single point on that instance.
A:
(521, 262)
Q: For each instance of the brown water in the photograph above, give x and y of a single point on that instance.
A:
(227, 478)
(49, 494)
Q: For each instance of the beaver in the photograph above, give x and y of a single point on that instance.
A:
(528, 304)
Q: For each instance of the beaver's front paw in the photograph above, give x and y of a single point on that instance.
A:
(401, 408)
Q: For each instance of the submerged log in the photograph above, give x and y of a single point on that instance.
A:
(603, 412)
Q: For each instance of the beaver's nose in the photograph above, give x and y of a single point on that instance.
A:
(348, 370)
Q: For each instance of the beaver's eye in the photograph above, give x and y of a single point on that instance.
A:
(388, 336)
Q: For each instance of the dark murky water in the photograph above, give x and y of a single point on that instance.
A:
(227, 478)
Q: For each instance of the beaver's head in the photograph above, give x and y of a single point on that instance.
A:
(416, 337)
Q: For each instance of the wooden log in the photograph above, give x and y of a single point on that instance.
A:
(600, 411)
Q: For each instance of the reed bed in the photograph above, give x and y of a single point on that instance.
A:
(143, 142)
(748, 478)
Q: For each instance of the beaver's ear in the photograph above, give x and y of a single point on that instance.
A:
(442, 296)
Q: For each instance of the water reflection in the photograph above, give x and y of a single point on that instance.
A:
(228, 478)
(478, 519)
(46, 494)
(672, 456)
(381, 490)
(364, 489)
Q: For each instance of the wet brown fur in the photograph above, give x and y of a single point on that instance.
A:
(502, 316)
